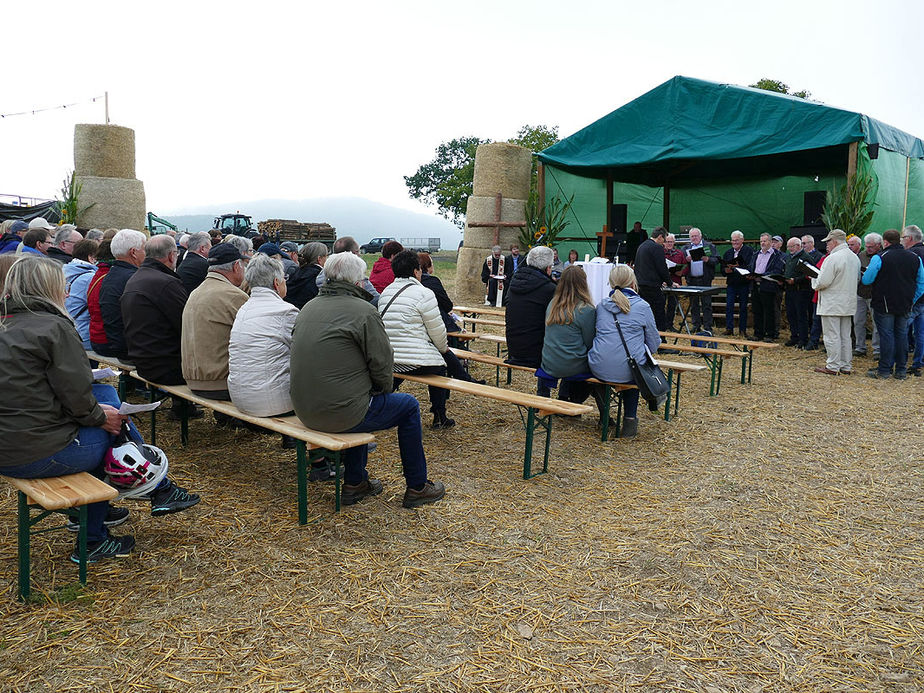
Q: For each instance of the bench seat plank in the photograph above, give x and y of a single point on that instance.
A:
(59, 492)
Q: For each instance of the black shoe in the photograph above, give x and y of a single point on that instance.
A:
(900, 376)
(288, 442)
(791, 342)
(874, 373)
(171, 498)
(322, 472)
(728, 333)
(350, 495)
(114, 517)
(440, 422)
(811, 347)
(193, 412)
(629, 427)
(431, 492)
(111, 547)
(916, 372)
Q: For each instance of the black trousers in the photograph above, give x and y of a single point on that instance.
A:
(764, 305)
(438, 396)
(654, 297)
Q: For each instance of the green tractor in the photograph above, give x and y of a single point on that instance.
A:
(237, 224)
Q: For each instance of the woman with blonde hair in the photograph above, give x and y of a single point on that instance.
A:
(53, 419)
(569, 334)
(607, 357)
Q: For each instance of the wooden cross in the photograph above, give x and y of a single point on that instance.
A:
(603, 235)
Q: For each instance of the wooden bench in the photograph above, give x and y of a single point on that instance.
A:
(611, 390)
(474, 322)
(714, 357)
(539, 410)
(745, 346)
(311, 445)
(480, 310)
(65, 495)
(115, 364)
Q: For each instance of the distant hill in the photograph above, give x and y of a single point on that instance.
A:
(351, 216)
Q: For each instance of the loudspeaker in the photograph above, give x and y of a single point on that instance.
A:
(813, 204)
(616, 223)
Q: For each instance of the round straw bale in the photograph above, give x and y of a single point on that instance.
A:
(502, 168)
(106, 151)
(116, 202)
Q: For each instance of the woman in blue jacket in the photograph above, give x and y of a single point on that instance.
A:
(607, 357)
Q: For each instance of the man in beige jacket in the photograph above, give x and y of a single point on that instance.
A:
(207, 320)
(837, 302)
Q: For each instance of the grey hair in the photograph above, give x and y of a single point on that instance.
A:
(94, 235)
(876, 239)
(263, 270)
(125, 240)
(695, 228)
(496, 249)
(345, 267)
(796, 239)
(809, 237)
(159, 247)
(670, 237)
(914, 231)
(737, 234)
(767, 235)
(243, 245)
(63, 234)
(196, 240)
(347, 244)
(184, 239)
(224, 267)
(540, 257)
(310, 253)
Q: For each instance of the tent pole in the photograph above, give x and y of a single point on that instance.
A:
(667, 206)
(540, 184)
(851, 161)
(907, 177)
(609, 199)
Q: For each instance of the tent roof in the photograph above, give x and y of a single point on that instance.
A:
(689, 120)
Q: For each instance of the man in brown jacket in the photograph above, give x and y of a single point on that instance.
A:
(207, 320)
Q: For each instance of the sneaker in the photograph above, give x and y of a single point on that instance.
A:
(629, 427)
(288, 442)
(874, 373)
(811, 347)
(116, 516)
(445, 422)
(845, 371)
(111, 547)
(171, 498)
(916, 372)
(900, 376)
(431, 492)
(790, 342)
(859, 352)
(350, 495)
(322, 472)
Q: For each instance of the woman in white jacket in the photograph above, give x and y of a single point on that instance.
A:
(261, 337)
(415, 330)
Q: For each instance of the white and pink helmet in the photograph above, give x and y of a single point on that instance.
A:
(135, 469)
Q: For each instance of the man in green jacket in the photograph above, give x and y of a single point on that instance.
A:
(341, 381)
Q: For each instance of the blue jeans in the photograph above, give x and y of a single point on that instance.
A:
(387, 411)
(893, 342)
(740, 294)
(630, 404)
(917, 320)
(84, 454)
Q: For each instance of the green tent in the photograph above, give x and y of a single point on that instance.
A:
(723, 157)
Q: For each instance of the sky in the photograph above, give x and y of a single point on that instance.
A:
(250, 100)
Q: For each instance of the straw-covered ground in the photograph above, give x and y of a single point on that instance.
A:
(768, 539)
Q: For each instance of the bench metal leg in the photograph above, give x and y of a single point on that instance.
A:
(718, 384)
(23, 533)
(82, 544)
(611, 395)
(744, 364)
(670, 388)
(531, 422)
(123, 385)
(302, 459)
(676, 397)
(750, 362)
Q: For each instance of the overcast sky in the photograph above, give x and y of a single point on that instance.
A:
(249, 100)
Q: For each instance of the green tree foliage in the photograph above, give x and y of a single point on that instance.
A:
(848, 209)
(779, 87)
(446, 181)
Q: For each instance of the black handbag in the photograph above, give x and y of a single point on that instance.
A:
(650, 379)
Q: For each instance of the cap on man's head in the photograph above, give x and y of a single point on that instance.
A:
(18, 226)
(778, 239)
(289, 246)
(223, 253)
(835, 235)
(41, 223)
(270, 249)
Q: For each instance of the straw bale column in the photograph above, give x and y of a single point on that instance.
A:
(104, 165)
(499, 168)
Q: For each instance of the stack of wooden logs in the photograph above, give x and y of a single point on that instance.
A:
(291, 230)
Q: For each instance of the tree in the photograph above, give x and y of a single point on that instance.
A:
(779, 87)
(446, 181)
